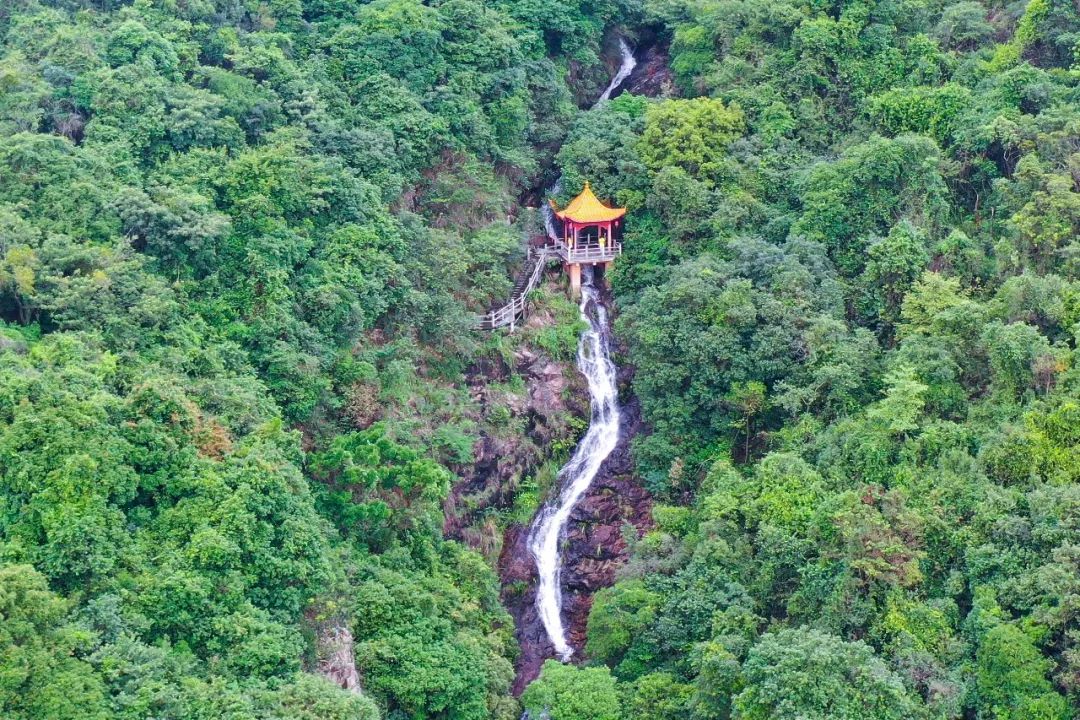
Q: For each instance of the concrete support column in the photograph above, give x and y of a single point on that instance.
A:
(575, 280)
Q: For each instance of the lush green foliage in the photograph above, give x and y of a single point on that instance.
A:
(565, 692)
(850, 297)
(848, 681)
(240, 248)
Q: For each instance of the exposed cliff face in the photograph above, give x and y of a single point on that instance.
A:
(542, 415)
(336, 659)
(596, 540)
(595, 547)
(652, 76)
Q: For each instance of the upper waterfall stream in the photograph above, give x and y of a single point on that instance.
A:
(629, 62)
(600, 439)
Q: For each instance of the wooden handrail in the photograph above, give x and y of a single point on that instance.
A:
(514, 311)
(510, 314)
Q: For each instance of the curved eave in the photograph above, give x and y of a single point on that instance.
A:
(587, 209)
(587, 218)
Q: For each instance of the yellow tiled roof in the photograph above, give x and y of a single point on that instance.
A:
(586, 208)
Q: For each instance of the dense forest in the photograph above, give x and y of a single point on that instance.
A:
(242, 244)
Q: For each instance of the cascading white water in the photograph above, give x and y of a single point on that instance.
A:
(600, 439)
(549, 214)
(629, 62)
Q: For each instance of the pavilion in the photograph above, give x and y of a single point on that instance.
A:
(591, 233)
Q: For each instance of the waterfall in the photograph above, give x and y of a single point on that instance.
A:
(595, 364)
(549, 214)
(629, 62)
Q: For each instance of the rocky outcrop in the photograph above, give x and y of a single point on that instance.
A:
(652, 76)
(334, 654)
(543, 414)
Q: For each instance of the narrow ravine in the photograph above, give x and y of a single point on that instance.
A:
(594, 362)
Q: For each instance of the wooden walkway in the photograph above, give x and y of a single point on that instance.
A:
(512, 313)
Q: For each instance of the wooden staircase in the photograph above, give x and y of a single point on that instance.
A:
(513, 312)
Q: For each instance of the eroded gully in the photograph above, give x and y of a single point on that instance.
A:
(600, 439)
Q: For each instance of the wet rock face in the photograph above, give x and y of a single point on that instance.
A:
(596, 541)
(554, 394)
(651, 76)
(595, 546)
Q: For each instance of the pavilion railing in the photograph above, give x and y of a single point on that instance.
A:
(513, 312)
(589, 253)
